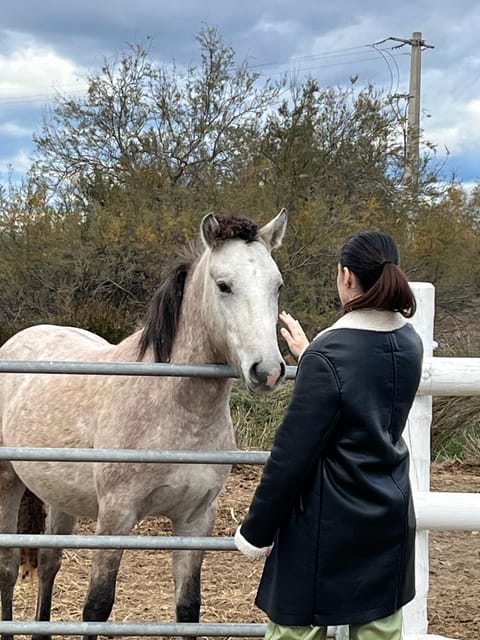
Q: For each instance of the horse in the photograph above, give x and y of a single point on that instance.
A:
(218, 304)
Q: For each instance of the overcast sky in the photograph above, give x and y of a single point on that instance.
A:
(51, 45)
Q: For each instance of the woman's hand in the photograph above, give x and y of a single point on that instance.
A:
(293, 334)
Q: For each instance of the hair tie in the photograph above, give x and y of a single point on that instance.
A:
(387, 262)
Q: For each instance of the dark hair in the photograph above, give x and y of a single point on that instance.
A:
(374, 258)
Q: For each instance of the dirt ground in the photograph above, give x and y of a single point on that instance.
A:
(145, 590)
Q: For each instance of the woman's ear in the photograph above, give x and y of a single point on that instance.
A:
(352, 282)
(347, 276)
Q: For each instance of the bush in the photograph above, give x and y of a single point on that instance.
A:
(256, 417)
(456, 420)
(456, 429)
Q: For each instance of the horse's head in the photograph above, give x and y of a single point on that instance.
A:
(242, 283)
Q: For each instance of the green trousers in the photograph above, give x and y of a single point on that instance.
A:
(389, 628)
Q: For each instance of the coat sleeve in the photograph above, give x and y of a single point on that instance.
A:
(302, 436)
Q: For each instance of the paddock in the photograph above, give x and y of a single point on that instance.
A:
(435, 511)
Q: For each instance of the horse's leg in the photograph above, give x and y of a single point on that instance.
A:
(117, 519)
(187, 565)
(11, 491)
(49, 562)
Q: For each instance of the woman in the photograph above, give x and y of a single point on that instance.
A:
(333, 511)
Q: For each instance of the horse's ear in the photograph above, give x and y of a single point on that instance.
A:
(208, 229)
(272, 233)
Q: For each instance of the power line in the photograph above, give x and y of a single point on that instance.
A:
(329, 65)
(353, 55)
(38, 97)
(322, 54)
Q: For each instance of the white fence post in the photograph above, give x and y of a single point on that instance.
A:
(417, 436)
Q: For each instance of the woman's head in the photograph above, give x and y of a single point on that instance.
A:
(374, 259)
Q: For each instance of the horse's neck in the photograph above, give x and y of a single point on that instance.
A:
(204, 400)
(200, 396)
(193, 344)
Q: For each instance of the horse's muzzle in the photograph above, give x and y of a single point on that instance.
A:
(263, 378)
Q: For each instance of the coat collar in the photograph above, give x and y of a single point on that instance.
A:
(369, 320)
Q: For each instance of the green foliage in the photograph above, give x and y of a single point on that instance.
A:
(445, 246)
(93, 269)
(336, 146)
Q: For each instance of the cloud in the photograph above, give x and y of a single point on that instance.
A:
(451, 106)
(464, 134)
(31, 73)
(34, 71)
(54, 44)
(15, 165)
(14, 130)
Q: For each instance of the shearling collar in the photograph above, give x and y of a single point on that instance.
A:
(368, 320)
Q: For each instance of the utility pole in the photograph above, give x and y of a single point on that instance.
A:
(413, 115)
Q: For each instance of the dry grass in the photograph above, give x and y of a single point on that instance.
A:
(456, 420)
(145, 586)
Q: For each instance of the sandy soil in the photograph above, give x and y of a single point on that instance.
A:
(145, 590)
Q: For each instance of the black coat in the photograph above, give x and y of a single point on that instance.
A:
(335, 495)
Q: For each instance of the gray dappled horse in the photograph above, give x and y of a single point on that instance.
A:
(218, 306)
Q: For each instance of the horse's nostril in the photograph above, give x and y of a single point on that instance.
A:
(267, 376)
(254, 373)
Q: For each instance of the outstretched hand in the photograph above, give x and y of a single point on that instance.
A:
(293, 334)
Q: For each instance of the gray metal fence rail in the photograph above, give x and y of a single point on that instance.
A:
(134, 629)
(124, 368)
(58, 541)
(217, 543)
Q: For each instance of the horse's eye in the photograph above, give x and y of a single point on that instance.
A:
(223, 287)
(280, 287)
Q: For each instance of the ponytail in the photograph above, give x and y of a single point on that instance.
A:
(374, 259)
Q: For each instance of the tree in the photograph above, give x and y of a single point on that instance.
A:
(339, 144)
(445, 247)
(135, 163)
(333, 157)
(188, 128)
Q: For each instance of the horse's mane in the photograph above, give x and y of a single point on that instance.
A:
(163, 313)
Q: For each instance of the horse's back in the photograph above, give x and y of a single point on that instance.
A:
(52, 410)
(26, 397)
(47, 341)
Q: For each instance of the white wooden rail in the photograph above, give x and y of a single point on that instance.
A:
(440, 376)
(450, 377)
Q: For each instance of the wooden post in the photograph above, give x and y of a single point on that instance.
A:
(417, 436)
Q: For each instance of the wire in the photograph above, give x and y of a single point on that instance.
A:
(335, 64)
(34, 98)
(375, 48)
(325, 59)
(322, 54)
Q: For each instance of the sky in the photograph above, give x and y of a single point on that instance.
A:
(53, 45)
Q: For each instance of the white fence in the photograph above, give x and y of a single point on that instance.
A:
(441, 376)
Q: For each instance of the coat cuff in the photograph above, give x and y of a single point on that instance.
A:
(248, 549)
